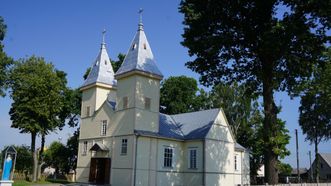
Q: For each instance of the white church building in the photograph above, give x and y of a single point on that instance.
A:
(125, 141)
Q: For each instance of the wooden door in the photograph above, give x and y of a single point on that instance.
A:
(100, 171)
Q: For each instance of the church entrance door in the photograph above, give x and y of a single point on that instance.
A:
(100, 170)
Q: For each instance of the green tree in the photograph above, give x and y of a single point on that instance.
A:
(72, 147)
(179, 95)
(251, 42)
(284, 169)
(5, 61)
(117, 64)
(315, 109)
(37, 91)
(56, 156)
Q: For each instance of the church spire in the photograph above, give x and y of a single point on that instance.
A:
(101, 70)
(139, 57)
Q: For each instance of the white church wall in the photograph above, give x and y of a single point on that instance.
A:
(124, 120)
(147, 87)
(125, 88)
(146, 161)
(220, 129)
(88, 100)
(102, 94)
(245, 168)
(122, 164)
(170, 175)
(146, 120)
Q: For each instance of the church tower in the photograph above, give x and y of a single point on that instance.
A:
(100, 84)
(138, 93)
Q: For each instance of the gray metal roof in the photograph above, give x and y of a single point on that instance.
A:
(101, 70)
(186, 126)
(139, 56)
(326, 157)
(195, 125)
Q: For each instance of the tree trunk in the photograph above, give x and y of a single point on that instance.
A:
(41, 159)
(34, 155)
(270, 121)
(317, 162)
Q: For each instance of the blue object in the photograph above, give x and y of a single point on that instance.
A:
(7, 168)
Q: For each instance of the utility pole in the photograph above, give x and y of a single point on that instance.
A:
(297, 147)
(311, 168)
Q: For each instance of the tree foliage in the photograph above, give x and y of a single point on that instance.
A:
(5, 61)
(180, 94)
(253, 43)
(315, 109)
(37, 91)
(56, 156)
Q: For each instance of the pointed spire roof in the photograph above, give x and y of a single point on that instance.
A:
(101, 70)
(139, 57)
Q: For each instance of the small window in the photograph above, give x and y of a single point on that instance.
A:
(192, 158)
(235, 163)
(105, 62)
(84, 148)
(145, 46)
(125, 102)
(124, 147)
(147, 103)
(88, 108)
(104, 127)
(168, 155)
(321, 165)
(134, 46)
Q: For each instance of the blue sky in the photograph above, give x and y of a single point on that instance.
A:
(68, 34)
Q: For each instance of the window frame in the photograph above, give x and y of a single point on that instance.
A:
(147, 103)
(124, 147)
(88, 111)
(104, 126)
(125, 100)
(192, 158)
(236, 162)
(84, 152)
(168, 157)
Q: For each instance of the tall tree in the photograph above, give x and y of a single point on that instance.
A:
(37, 90)
(245, 119)
(180, 94)
(315, 109)
(253, 43)
(5, 61)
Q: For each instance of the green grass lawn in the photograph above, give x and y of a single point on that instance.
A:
(45, 182)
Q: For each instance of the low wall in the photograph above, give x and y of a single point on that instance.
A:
(299, 184)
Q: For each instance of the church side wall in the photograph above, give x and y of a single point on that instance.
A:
(122, 164)
(219, 154)
(174, 175)
(193, 177)
(245, 168)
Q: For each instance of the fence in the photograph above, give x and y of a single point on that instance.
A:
(299, 184)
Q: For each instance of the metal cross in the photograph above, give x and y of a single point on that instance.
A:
(140, 12)
(103, 35)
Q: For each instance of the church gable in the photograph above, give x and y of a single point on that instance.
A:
(220, 130)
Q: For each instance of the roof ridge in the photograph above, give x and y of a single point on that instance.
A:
(195, 112)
